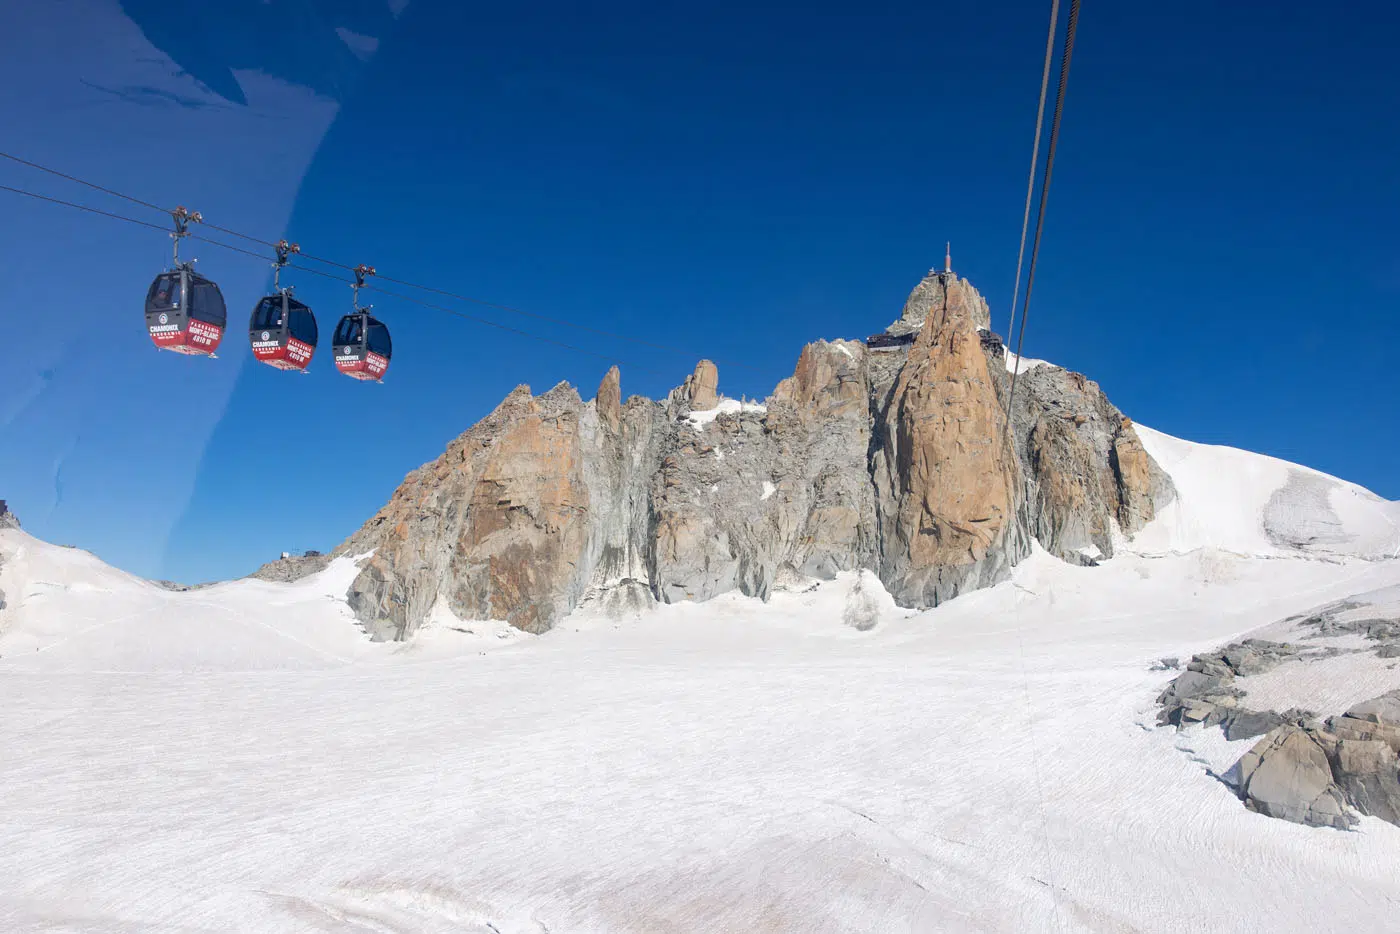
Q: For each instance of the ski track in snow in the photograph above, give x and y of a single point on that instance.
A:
(241, 757)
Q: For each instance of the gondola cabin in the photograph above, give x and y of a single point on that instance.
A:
(362, 347)
(185, 313)
(283, 332)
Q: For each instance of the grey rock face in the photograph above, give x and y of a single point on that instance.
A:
(751, 496)
(1247, 723)
(931, 295)
(947, 485)
(1206, 692)
(1287, 775)
(894, 461)
(701, 388)
(1312, 772)
(1367, 773)
(1304, 769)
(178, 587)
(288, 570)
(1383, 713)
(1331, 621)
(1088, 470)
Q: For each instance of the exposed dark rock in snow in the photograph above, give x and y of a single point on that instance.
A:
(292, 568)
(1307, 771)
(1243, 724)
(178, 587)
(1304, 768)
(1205, 692)
(1287, 775)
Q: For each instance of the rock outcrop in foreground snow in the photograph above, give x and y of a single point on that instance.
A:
(1311, 772)
(896, 461)
(1308, 767)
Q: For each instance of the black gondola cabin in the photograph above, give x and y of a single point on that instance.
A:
(362, 347)
(283, 332)
(185, 313)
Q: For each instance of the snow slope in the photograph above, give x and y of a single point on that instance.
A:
(241, 757)
(1253, 504)
(71, 612)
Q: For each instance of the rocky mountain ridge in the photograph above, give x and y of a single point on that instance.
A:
(894, 459)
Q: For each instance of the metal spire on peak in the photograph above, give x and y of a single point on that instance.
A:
(947, 269)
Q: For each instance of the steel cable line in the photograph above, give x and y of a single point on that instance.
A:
(631, 365)
(80, 181)
(1044, 195)
(1035, 157)
(451, 311)
(562, 322)
(146, 204)
(1011, 398)
(84, 207)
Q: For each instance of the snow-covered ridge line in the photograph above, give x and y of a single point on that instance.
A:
(1238, 501)
(1027, 363)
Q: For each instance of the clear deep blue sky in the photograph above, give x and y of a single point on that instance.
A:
(735, 179)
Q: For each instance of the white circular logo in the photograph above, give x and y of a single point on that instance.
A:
(264, 335)
(164, 317)
(348, 351)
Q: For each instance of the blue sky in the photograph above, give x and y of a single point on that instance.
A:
(734, 180)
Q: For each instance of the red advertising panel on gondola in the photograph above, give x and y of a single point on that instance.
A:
(296, 355)
(371, 366)
(197, 338)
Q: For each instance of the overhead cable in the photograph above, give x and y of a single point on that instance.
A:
(631, 365)
(562, 322)
(1044, 195)
(1035, 159)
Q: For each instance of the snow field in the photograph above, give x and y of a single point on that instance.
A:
(241, 757)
